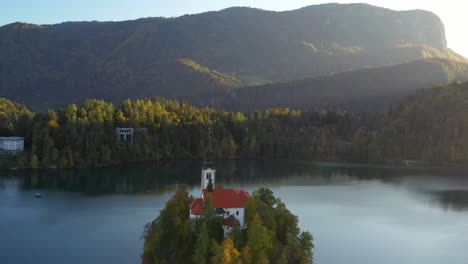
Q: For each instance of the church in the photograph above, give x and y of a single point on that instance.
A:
(228, 203)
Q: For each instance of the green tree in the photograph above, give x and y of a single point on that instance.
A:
(294, 253)
(266, 195)
(106, 154)
(237, 235)
(63, 162)
(202, 246)
(171, 238)
(305, 240)
(260, 240)
(286, 223)
(34, 162)
(208, 208)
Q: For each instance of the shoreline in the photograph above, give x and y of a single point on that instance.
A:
(321, 163)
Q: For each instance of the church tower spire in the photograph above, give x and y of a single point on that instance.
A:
(208, 161)
(208, 171)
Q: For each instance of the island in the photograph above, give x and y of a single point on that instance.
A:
(226, 226)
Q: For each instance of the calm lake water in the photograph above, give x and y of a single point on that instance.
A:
(358, 215)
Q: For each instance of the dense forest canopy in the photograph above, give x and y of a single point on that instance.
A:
(429, 127)
(204, 58)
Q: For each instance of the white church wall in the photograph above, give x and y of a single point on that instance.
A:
(238, 213)
(227, 231)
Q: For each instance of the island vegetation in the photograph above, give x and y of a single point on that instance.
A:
(272, 234)
(429, 127)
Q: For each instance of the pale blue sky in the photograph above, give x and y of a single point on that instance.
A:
(452, 12)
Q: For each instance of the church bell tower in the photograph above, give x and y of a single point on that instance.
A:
(208, 177)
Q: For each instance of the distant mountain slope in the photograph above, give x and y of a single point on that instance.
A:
(435, 123)
(66, 63)
(172, 79)
(374, 88)
(447, 104)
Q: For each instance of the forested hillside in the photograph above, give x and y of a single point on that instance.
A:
(202, 56)
(369, 89)
(429, 127)
(434, 123)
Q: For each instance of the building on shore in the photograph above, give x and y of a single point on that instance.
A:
(11, 145)
(228, 203)
(124, 132)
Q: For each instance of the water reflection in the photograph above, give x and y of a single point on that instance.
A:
(447, 188)
(452, 199)
(129, 179)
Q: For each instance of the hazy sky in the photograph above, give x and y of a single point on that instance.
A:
(452, 12)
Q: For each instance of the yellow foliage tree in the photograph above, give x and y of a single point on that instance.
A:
(53, 124)
(226, 253)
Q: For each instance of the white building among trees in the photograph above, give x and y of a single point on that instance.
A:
(11, 145)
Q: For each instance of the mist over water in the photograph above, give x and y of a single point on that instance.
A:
(357, 214)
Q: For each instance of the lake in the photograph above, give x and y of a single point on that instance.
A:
(357, 214)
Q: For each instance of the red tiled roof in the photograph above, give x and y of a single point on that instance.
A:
(228, 198)
(230, 221)
(196, 207)
(195, 202)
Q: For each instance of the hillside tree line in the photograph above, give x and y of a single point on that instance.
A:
(430, 127)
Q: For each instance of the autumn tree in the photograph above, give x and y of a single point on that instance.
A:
(226, 253)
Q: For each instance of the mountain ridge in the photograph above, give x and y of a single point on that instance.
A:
(367, 89)
(69, 62)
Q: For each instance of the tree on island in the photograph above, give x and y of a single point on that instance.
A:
(175, 238)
